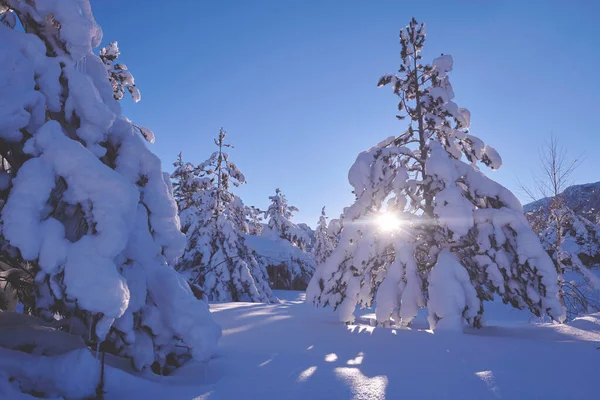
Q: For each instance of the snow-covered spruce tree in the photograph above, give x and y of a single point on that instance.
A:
(573, 243)
(217, 257)
(571, 240)
(324, 243)
(255, 220)
(334, 228)
(119, 76)
(280, 223)
(300, 264)
(310, 236)
(186, 183)
(87, 215)
(464, 237)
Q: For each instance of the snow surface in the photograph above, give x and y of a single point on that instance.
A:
(292, 350)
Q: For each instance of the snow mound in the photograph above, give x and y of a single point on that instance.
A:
(74, 374)
(34, 335)
(590, 323)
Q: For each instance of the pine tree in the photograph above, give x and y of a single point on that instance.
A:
(255, 220)
(280, 223)
(217, 257)
(573, 243)
(298, 264)
(462, 239)
(334, 228)
(186, 183)
(310, 236)
(324, 243)
(119, 76)
(87, 216)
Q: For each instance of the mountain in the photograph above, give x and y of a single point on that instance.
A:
(584, 200)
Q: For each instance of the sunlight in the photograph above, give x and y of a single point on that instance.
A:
(490, 381)
(363, 387)
(205, 396)
(307, 373)
(357, 360)
(262, 364)
(360, 329)
(388, 222)
(243, 328)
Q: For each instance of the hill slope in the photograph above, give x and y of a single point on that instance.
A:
(583, 199)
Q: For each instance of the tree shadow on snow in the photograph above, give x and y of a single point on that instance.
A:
(294, 351)
(268, 351)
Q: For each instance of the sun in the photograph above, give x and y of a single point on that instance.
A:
(388, 222)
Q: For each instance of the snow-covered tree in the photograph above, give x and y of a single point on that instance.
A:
(457, 238)
(87, 216)
(186, 182)
(255, 220)
(324, 242)
(334, 228)
(119, 76)
(571, 240)
(574, 246)
(280, 223)
(310, 236)
(299, 264)
(217, 257)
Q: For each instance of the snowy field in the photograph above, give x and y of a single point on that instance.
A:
(294, 351)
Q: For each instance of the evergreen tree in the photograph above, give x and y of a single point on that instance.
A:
(324, 242)
(574, 246)
(280, 223)
(119, 76)
(255, 220)
(310, 236)
(217, 257)
(88, 223)
(334, 228)
(300, 264)
(462, 239)
(187, 181)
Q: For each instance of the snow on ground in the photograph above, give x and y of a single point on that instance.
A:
(293, 351)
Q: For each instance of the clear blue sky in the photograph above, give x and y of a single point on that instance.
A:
(294, 82)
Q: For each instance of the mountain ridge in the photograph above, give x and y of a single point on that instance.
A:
(583, 199)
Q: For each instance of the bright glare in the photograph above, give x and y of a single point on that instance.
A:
(388, 222)
(307, 373)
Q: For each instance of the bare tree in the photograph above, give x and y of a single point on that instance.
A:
(553, 177)
(556, 170)
(557, 224)
(555, 173)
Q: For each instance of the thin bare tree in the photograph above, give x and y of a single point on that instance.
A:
(556, 169)
(554, 221)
